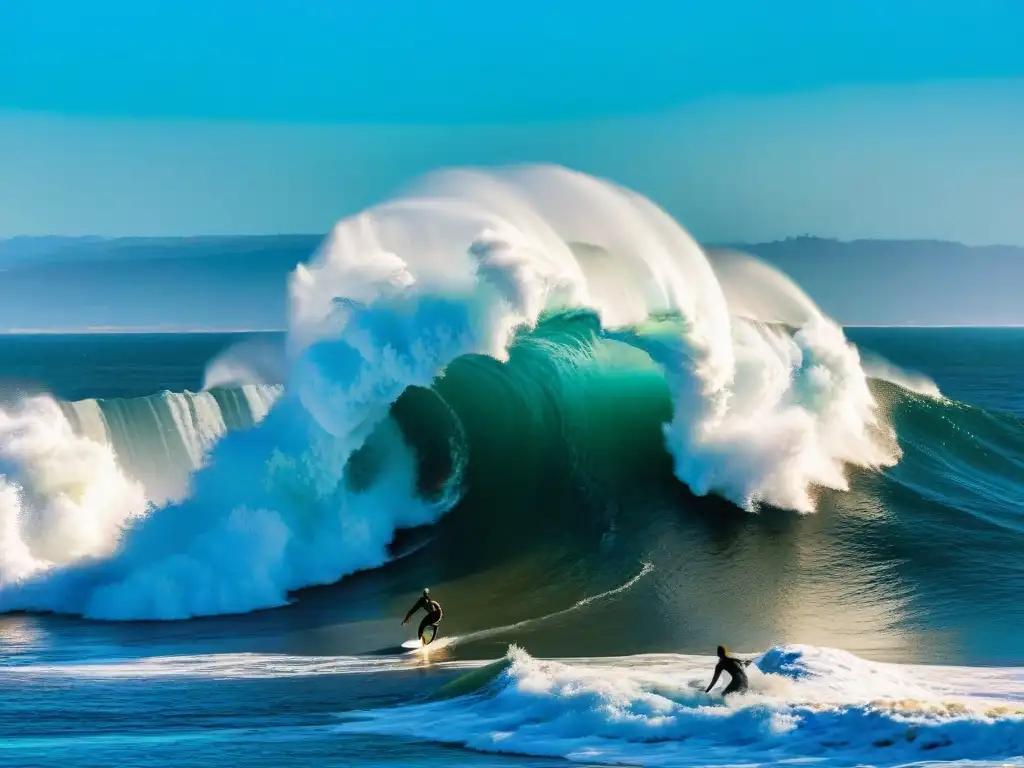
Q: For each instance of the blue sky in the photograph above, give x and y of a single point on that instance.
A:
(746, 120)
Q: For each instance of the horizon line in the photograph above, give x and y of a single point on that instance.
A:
(925, 325)
(132, 330)
(324, 235)
(187, 331)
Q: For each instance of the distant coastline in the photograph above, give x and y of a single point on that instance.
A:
(130, 330)
(18, 248)
(186, 331)
(239, 283)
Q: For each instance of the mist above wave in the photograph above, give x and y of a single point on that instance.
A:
(260, 361)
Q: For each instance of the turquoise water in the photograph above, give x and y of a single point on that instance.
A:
(569, 520)
(603, 448)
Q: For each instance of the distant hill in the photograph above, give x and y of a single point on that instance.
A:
(239, 281)
(36, 251)
(212, 282)
(904, 282)
(808, 247)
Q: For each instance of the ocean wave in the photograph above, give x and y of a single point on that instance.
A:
(160, 440)
(75, 475)
(804, 702)
(962, 458)
(63, 496)
(253, 361)
(558, 289)
(877, 367)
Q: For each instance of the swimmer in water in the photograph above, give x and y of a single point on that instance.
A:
(433, 617)
(734, 667)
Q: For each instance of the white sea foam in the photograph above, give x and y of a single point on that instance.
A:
(806, 704)
(457, 266)
(260, 361)
(877, 367)
(63, 497)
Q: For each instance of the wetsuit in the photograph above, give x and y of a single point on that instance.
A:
(734, 667)
(433, 617)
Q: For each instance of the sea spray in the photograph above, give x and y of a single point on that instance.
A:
(63, 497)
(161, 439)
(253, 361)
(461, 265)
(652, 710)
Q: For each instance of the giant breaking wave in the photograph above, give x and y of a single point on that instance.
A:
(769, 400)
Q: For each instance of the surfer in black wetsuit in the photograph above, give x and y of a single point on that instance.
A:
(734, 667)
(433, 617)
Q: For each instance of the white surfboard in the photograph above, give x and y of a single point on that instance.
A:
(428, 635)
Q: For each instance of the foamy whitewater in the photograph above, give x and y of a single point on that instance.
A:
(805, 704)
(533, 391)
(763, 413)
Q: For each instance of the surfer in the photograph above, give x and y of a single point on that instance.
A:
(433, 617)
(734, 667)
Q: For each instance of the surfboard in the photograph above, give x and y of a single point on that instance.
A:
(428, 635)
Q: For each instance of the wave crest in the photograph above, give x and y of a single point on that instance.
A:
(461, 265)
(63, 497)
(653, 711)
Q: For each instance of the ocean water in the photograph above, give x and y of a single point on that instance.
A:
(604, 450)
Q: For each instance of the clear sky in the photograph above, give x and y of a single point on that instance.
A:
(747, 120)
